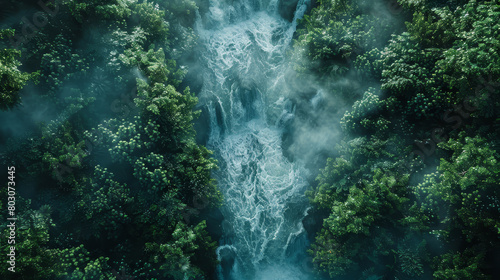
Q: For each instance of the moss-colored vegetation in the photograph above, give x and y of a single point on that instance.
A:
(113, 179)
(116, 172)
(414, 190)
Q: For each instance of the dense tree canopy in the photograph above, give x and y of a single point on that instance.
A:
(431, 97)
(118, 178)
(12, 80)
(113, 180)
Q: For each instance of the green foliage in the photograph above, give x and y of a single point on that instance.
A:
(154, 65)
(410, 260)
(163, 103)
(96, 269)
(76, 264)
(102, 206)
(360, 119)
(59, 62)
(97, 9)
(138, 144)
(350, 168)
(474, 56)
(463, 193)
(129, 179)
(62, 151)
(460, 265)
(152, 20)
(116, 158)
(431, 27)
(370, 212)
(364, 227)
(12, 80)
(33, 259)
(441, 70)
(410, 75)
(335, 34)
(175, 257)
(182, 10)
(465, 44)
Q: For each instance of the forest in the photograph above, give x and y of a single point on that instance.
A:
(167, 139)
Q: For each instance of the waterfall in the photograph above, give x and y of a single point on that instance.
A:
(243, 54)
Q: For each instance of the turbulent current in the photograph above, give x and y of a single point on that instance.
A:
(243, 57)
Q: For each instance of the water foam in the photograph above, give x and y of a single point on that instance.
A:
(264, 204)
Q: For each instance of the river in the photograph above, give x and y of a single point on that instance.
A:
(244, 43)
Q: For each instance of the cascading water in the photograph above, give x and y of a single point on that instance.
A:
(243, 53)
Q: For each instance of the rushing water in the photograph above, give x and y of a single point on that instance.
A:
(244, 45)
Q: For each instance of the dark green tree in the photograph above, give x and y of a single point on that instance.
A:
(12, 80)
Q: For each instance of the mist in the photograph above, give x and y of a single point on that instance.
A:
(251, 139)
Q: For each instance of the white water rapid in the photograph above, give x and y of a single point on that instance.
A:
(243, 54)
